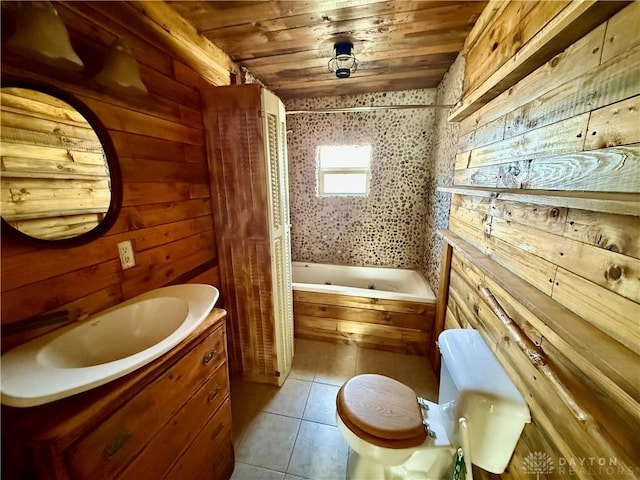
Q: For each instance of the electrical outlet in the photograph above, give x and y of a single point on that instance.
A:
(125, 250)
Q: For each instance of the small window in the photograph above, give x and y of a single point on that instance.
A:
(343, 170)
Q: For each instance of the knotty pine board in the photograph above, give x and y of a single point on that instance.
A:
(576, 60)
(618, 233)
(512, 29)
(615, 169)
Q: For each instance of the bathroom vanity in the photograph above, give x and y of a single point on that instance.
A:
(169, 419)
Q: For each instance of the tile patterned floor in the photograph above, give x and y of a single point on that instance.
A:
(290, 433)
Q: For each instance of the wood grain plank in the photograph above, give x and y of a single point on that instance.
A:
(139, 170)
(480, 204)
(363, 328)
(247, 12)
(141, 216)
(615, 169)
(21, 303)
(511, 30)
(542, 217)
(617, 316)
(576, 60)
(147, 193)
(363, 315)
(537, 271)
(484, 135)
(288, 21)
(366, 53)
(582, 362)
(617, 124)
(208, 277)
(610, 270)
(467, 232)
(462, 160)
(571, 24)
(608, 83)
(472, 274)
(560, 138)
(382, 304)
(310, 328)
(618, 233)
(259, 40)
(610, 202)
(380, 84)
(132, 121)
(473, 218)
(617, 41)
(157, 148)
(450, 320)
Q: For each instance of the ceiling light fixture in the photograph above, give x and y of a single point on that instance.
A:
(344, 62)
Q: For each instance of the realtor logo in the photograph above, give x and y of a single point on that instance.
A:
(537, 463)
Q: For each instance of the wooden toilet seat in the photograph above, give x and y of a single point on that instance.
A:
(381, 411)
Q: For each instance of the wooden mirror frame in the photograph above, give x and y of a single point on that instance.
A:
(113, 164)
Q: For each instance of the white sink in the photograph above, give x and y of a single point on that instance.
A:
(105, 347)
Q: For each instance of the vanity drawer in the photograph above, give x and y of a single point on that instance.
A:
(210, 456)
(114, 443)
(162, 451)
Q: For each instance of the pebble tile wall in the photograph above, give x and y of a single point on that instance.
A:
(389, 226)
(441, 174)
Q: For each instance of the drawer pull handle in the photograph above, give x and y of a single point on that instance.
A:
(214, 393)
(217, 431)
(210, 355)
(117, 443)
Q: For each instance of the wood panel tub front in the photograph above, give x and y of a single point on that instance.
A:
(347, 314)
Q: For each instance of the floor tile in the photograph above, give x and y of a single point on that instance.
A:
(416, 372)
(290, 399)
(243, 471)
(375, 361)
(247, 399)
(293, 477)
(310, 347)
(319, 453)
(303, 367)
(321, 405)
(337, 365)
(306, 357)
(268, 441)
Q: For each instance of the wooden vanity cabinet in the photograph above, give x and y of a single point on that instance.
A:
(170, 419)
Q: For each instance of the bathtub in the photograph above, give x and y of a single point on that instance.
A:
(382, 308)
(374, 282)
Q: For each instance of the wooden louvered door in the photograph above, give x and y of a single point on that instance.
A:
(246, 147)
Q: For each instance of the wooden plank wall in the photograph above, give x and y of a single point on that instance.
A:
(571, 125)
(392, 325)
(166, 208)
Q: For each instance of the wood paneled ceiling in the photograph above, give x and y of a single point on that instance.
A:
(286, 44)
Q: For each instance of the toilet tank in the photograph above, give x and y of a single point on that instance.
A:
(474, 385)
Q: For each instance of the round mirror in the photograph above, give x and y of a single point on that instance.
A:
(61, 182)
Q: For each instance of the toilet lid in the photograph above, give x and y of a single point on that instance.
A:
(381, 411)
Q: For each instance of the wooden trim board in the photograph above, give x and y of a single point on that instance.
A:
(618, 203)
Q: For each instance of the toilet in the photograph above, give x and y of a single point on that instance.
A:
(395, 435)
